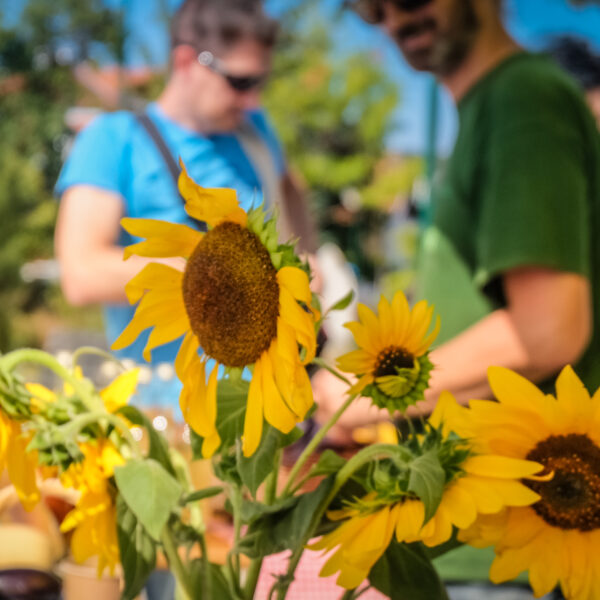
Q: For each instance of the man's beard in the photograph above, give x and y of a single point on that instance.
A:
(449, 47)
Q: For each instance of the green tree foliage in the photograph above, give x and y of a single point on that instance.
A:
(36, 88)
(332, 112)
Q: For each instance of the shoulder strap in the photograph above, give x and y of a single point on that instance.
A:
(148, 124)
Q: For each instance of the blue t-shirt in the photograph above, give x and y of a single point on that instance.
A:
(115, 153)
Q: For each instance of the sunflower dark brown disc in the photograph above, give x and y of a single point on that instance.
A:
(571, 499)
(392, 358)
(231, 295)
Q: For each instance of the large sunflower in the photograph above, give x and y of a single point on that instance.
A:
(557, 539)
(239, 299)
(392, 360)
(478, 483)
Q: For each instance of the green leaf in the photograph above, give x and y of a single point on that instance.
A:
(208, 492)
(251, 511)
(254, 469)
(344, 302)
(150, 492)
(285, 528)
(158, 448)
(231, 410)
(137, 550)
(427, 479)
(219, 590)
(329, 462)
(404, 571)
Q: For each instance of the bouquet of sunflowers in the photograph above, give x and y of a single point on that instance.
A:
(521, 474)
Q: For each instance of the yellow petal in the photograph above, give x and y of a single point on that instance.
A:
(409, 520)
(153, 276)
(358, 362)
(511, 389)
(301, 321)
(363, 338)
(253, 421)
(22, 467)
(296, 281)
(574, 402)
(119, 391)
(370, 321)
(211, 205)
(187, 353)
(276, 412)
(386, 321)
(361, 384)
(501, 466)
(164, 239)
(401, 316)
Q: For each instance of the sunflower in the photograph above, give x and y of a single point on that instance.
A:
(94, 518)
(557, 539)
(114, 396)
(20, 463)
(242, 298)
(392, 360)
(479, 483)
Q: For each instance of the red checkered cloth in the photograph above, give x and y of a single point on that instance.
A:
(307, 583)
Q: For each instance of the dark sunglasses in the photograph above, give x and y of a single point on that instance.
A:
(371, 11)
(237, 82)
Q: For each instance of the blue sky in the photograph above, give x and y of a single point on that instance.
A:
(532, 22)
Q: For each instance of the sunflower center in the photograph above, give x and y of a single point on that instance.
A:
(231, 295)
(571, 499)
(392, 358)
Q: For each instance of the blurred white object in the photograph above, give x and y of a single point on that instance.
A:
(338, 279)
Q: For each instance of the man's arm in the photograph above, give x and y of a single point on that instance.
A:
(547, 324)
(91, 264)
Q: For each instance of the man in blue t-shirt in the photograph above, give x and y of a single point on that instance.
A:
(208, 114)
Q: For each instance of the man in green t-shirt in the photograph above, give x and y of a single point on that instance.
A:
(512, 260)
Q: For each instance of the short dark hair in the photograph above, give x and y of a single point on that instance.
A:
(216, 25)
(576, 57)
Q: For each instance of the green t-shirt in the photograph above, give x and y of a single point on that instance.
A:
(522, 188)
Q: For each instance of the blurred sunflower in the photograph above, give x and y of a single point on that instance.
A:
(20, 463)
(557, 539)
(114, 396)
(94, 518)
(392, 360)
(238, 299)
(476, 483)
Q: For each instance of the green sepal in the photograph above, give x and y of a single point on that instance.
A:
(418, 378)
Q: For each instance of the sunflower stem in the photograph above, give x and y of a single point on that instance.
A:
(77, 354)
(234, 561)
(176, 565)
(356, 462)
(312, 445)
(85, 419)
(270, 494)
(13, 359)
(323, 364)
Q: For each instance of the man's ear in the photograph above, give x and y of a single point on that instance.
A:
(183, 56)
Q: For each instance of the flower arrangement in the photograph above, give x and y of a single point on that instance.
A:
(521, 474)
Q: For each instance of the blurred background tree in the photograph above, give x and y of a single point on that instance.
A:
(36, 89)
(332, 111)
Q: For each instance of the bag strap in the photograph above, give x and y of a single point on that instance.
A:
(148, 124)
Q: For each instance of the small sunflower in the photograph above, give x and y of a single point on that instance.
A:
(479, 483)
(94, 518)
(242, 298)
(392, 360)
(557, 539)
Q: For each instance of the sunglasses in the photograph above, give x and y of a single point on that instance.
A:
(236, 82)
(371, 11)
